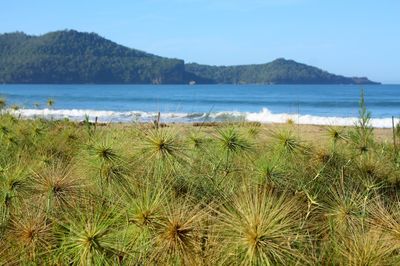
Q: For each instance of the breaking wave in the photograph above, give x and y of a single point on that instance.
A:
(264, 116)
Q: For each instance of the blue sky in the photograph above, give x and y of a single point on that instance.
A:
(349, 37)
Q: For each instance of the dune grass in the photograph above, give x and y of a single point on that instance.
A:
(230, 194)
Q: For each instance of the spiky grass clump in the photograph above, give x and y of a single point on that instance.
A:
(287, 143)
(254, 129)
(107, 165)
(386, 218)
(365, 248)
(178, 234)
(143, 209)
(268, 172)
(336, 135)
(12, 190)
(89, 237)
(53, 140)
(373, 168)
(231, 142)
(197, 141)
(103, 152)
(345, 209)
(30, 234)
(162, 149)
(56, 186)
(260, 227)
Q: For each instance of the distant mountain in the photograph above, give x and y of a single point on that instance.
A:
(279, 71)
(76, 57)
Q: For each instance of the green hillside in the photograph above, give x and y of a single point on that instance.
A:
(76, 57)
(279, 71)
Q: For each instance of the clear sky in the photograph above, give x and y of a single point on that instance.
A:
(348, 37)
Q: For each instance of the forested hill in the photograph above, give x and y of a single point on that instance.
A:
(76, 57)
(279, 71)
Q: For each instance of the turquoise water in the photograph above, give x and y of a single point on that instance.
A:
(315, 104)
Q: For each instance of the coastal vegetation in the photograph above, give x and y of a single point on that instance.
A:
(76, 57)
(279, 71)
(220, 194)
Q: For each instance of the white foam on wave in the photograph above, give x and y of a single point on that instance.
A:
(102, 115)
(264, 116)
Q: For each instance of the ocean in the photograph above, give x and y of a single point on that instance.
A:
(304, 104)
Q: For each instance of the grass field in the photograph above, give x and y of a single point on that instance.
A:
(228, 194)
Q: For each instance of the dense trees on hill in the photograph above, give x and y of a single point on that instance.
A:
(76, 57)
(279, 71)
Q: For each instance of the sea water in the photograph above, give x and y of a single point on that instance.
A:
(304, 104)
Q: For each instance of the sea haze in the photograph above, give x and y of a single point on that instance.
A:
(304, 104)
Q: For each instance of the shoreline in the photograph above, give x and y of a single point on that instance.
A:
(306, 132)
(264, 116)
